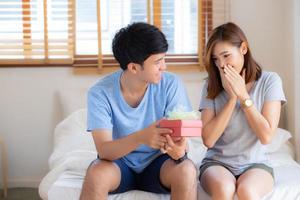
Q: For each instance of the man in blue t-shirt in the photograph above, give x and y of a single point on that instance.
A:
(124, 109)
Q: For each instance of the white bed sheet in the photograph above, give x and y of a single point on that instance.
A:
(286, 171)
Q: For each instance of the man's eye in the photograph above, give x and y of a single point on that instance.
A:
(226, 55)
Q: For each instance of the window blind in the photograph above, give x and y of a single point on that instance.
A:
(79, 33)
(37, 32)
(177, 19)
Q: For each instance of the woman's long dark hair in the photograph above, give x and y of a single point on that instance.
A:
(232, 34)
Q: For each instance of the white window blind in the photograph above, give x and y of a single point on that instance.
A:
(80, 32)
(177, 19)
(36, 32)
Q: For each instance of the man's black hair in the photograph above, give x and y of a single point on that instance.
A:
(136, 42)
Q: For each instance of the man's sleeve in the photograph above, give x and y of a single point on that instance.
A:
(98, 111)
(177, 96)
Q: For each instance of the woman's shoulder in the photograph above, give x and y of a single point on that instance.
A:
(269, 76)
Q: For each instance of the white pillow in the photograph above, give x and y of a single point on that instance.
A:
(197, 150)
(71, 138)
(280, 138)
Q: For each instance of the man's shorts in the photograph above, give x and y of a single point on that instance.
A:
(208, 164)
(148, 180)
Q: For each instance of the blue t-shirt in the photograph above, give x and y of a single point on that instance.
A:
(107, 109)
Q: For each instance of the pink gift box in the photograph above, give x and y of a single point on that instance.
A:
(186, 128)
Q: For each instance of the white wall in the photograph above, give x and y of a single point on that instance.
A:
(296, 9)
(29, 110)
(30, 107)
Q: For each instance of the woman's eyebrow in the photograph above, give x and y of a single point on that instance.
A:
(220, 54)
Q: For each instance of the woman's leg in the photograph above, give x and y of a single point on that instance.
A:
(218, 182)
(254, 184)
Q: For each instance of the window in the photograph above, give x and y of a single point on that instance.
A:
(59, 32)
(36, 32)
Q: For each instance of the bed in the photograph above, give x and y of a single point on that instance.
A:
(74, 150)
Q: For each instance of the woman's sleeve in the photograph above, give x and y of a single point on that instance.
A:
(205, 103)
(274, 90)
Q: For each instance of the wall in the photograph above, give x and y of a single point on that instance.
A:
(29, 100)
(296, 9)
(30, 109)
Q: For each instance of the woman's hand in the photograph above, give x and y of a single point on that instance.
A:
(236, 82)
(227, 87)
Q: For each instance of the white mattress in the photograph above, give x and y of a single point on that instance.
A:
(286, 171)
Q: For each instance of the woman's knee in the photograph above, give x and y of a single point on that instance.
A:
(224, 189)
(220, 188)
(244, 191)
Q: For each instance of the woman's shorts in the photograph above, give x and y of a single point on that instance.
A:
(208, 164)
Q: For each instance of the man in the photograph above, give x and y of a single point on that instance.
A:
(124, 109)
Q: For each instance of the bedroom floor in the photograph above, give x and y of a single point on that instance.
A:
(21, 194)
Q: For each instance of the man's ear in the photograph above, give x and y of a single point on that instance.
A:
(244, 48)
(132, 67)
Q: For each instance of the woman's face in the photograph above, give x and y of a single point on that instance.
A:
(225, 53)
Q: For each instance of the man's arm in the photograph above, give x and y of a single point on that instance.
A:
(110, 149)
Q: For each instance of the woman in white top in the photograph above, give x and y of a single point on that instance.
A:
(240, 109)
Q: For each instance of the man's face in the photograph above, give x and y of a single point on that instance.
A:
(152, 69)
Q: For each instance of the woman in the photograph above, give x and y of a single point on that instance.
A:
(240, 110)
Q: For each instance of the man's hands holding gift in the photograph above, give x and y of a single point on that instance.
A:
(154, 136)
(175, 147)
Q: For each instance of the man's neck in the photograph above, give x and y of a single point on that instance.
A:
(133, 89)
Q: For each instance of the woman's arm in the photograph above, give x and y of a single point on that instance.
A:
(214, 125)
(265, 123)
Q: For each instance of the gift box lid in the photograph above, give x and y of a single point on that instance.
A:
(180, 123)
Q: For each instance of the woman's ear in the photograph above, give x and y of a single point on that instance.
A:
(244, 48)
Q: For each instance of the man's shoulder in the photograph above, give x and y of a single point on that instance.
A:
(169, 77)
(106, 83)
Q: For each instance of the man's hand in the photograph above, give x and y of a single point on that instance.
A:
(153, 136)
(175, 148)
